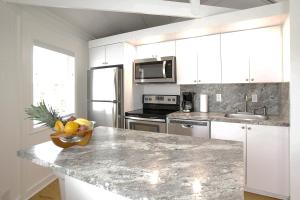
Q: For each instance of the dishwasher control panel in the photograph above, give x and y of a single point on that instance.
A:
(189, 128)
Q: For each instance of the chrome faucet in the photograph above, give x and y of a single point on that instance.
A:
(264, 110)
(245, 111)
(247, 99)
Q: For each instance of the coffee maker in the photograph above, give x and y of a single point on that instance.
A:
(187, 103)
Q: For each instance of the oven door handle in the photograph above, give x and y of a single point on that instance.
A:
(146, 119)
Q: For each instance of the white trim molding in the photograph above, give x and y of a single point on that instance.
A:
(38, 187)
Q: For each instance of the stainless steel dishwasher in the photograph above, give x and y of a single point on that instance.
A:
(189, 128)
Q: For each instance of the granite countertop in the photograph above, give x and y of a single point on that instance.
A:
(272, 121)
(152, 166)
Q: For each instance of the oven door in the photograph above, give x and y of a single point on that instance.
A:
(144, 124)
(155, 70)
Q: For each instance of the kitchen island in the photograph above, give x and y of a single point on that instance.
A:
(127, 164)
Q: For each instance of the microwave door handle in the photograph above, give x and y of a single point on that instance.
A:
(164, 69)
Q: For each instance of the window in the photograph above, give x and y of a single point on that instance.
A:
(54, 79)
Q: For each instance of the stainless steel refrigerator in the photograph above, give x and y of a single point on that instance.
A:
(105, 96)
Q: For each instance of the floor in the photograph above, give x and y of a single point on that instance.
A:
(51, 192)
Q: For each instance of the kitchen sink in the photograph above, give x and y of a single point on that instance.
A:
(246, 116)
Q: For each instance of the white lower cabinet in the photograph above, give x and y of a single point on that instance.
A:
(266, 155)
(268, 159)
(228, 131)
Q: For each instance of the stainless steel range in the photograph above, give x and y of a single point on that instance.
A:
(154, 113)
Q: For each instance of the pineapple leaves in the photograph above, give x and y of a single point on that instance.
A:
(44, 115)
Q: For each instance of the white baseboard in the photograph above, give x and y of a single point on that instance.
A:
(38, 187)
(255, 191)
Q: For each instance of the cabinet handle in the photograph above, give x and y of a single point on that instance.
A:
(249, 128)
(199, 81)
(252, 79)
(247, 79)
(243, 127)
(195, 81)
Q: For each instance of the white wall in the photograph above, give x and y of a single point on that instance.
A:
(132, 92)
(20, 28)
(9, 118)
(295, 99)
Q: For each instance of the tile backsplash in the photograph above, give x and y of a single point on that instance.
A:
(275, 96)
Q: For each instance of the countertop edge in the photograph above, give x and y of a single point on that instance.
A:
(221, 118)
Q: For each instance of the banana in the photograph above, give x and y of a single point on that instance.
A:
(85, 122)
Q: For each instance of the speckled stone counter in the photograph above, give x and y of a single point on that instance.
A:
(272, 121)
(152, 166)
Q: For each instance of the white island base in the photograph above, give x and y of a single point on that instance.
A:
(74, 189)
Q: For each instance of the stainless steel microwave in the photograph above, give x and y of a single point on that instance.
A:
(155, 70)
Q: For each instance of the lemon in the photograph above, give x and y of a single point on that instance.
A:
(84, 122)
(71, 127)
(59, 126)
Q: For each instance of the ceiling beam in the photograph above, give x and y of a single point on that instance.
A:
(195, 7)
(153, 7)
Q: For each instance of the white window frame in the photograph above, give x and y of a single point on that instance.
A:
(35, 130)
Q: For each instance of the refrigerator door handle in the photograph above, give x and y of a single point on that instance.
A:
(115, 116)
(116, 82)
(113, 101)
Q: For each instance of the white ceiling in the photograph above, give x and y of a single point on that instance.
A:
(101, 24)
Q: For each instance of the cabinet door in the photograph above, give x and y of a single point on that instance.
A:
(114, 54)
(209, 59)
(235, 57)
(266, 55)
(161, 49)
(186, 61)
(228, 131)
(97, 56)
(268, 159)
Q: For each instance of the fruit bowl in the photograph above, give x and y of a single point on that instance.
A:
(69, 131)
(79, 137)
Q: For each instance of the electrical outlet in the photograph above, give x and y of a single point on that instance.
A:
(219, 97)
(254, 98)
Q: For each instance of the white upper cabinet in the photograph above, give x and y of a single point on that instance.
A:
(154, 50)
(235, 57)
(97, 56)
(268, 159)
(252, 56)
(186, 61)
(114, 54)
(209, 59)
(266, 55)
(198, 60)
(107, 55)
